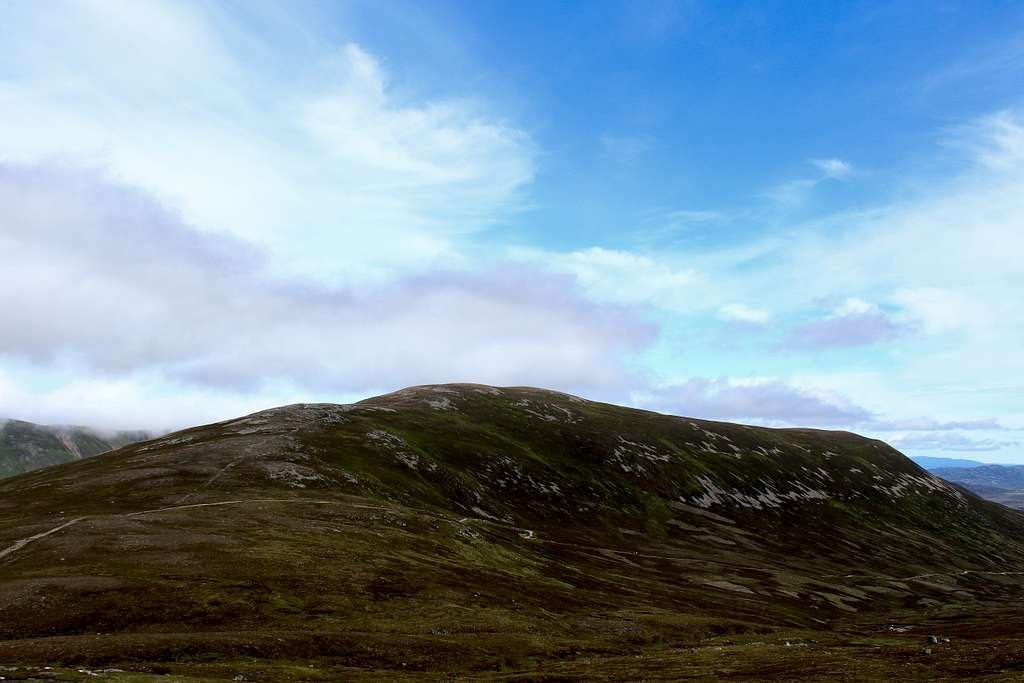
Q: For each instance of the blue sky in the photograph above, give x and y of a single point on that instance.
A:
(781, 213)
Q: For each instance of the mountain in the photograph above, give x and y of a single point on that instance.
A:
(471, 532)
(932, 464)
(25, 446)
(1001, 483)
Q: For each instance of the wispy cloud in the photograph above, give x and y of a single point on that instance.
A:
(650, 21)
(626, 149)
(995, 141)
(744, 314)
(947, 442)
(833, 168)
(661, 226)
(926, 424)
(998, 59)
(616, 276)
(793, 193)
(677, 218)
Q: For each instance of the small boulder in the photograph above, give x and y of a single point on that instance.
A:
(933, 640)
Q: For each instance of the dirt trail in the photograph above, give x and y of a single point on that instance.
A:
(921, 576)
(18, 545)
(259, 500)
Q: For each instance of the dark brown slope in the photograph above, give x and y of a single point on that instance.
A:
(460, 527)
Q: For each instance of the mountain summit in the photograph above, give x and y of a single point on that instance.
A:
(466, 527)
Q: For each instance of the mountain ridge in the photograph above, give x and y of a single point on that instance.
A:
(460, 526)
(26, 446)
(930, 462)
(1000, 483)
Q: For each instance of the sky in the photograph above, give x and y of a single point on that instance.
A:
(780, 213)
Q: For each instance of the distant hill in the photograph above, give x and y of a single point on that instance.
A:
(1000, 483)
(931, 464)
(25, 446)
(471, 532)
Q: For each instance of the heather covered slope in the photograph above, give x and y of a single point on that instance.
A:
(463, 528)
(25, 446)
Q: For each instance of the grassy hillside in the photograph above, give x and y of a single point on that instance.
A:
(468, 532)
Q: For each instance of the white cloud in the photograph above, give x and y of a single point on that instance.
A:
(744, 314)
(836, 169)
(441, 144)
(854, 306)
(322, 159)
(616, 276)
(938, 310)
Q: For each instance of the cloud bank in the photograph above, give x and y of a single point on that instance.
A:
(102, 277)
(770, 402)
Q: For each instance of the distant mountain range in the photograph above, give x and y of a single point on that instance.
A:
(25, 446)
(1001, 483)
(931, 464)
(459, 531)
